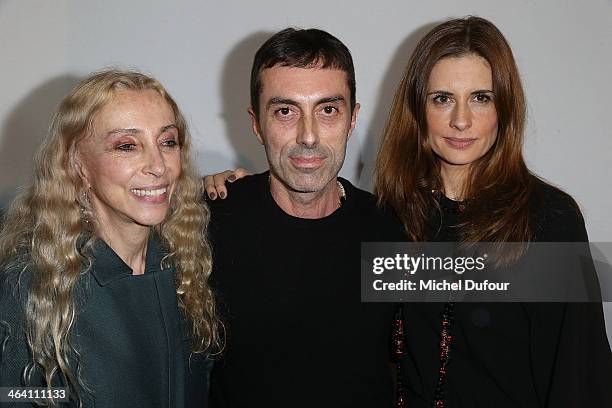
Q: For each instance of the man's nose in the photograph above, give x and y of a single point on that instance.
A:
(308, 132)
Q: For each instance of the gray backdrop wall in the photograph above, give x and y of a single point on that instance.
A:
(202, 50)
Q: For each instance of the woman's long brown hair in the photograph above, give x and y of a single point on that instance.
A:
(499, 184)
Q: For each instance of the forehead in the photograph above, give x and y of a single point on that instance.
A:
(303, 83)
(469, 71)
(134, 109)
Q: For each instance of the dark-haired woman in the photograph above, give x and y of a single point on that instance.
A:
(451, 166)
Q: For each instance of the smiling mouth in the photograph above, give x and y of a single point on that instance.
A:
(155, 195)
(459, 143)
(149, 193)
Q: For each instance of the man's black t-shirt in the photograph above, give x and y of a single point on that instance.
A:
(298, 334)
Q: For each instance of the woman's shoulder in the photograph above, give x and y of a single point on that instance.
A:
(17, 275)
(14, 280)
(556, 215)
(547, 197)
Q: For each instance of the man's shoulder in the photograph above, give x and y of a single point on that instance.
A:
(362, 198)
(365, 202)
(381, 217)
(242, 194)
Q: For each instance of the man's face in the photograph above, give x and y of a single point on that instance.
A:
(304, 123)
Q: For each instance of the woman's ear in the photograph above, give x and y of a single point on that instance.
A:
(80, 169)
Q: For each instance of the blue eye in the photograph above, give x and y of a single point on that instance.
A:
(170, 143)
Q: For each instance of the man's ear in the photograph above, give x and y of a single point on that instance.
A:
(354, 119)
(255, 125)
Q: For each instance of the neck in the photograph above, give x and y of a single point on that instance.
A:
(129, 243)
(318, 204)
(453, 180)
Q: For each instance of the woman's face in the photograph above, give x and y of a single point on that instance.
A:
(460, 110)
(131, 160)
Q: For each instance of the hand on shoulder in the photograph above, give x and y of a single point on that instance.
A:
(214, 184)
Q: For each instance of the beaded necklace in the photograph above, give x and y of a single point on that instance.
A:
(446, 341)
(341, 191)
(398, 347)
(447, 318)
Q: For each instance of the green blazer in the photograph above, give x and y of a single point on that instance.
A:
(132, 341)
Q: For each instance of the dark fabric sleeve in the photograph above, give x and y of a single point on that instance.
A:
(14, 354)
(570, 354)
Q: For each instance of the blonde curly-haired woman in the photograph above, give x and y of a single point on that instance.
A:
(104, 258)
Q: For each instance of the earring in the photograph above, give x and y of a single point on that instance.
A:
(82, 209)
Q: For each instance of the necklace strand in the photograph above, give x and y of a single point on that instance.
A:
(341, 191)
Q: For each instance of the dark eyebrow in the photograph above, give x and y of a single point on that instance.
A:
(482, 91)
(440, 93)
(450, 93)
(331, 99)
(281, 101)
(286, 101)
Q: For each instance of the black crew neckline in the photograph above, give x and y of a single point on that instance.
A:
(280, 215)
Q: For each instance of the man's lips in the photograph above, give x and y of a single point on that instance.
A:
(307, 161)
(459, 142)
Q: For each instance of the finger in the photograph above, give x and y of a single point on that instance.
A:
(219, 182)
(238, 174)
(212, 184)
(209, 187)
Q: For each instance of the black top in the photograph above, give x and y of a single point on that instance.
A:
(513, 354)
(298, 334)
(132, 340)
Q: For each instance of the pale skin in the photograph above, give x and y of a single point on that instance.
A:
(130, 163)
(304, 122)
(461, 117)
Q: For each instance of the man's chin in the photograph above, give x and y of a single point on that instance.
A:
(308, 171)
(306, 184)
(305, 180)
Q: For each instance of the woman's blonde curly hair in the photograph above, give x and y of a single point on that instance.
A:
(45, 226)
